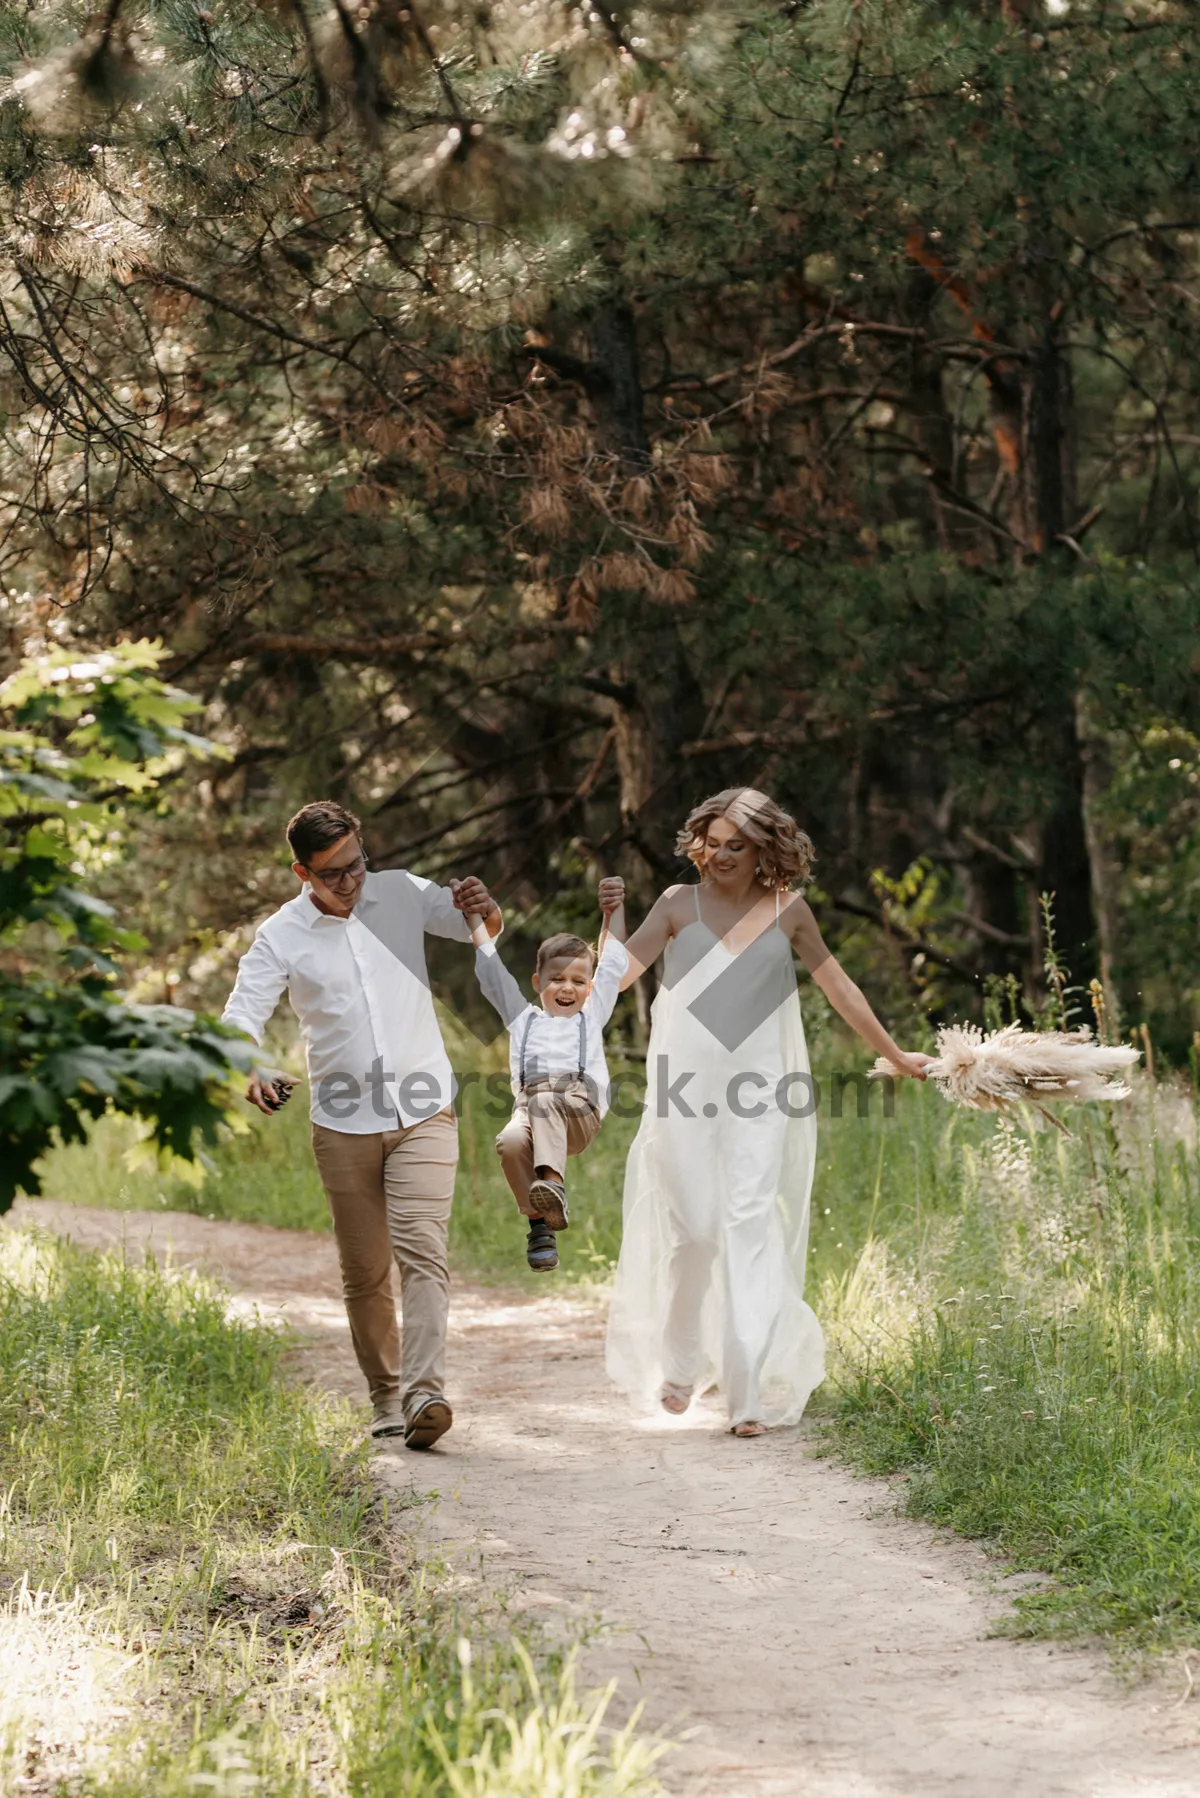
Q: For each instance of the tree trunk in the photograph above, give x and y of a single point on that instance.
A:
(1102, 862)
(1050, 439)
(934, 429)
(617, 398)
(634, 745)
(1065, 865)
(665, 705)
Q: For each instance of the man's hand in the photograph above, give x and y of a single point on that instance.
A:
(269, 1089)
(611, 894)
(472, 898)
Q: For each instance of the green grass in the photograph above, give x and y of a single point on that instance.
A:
(262, 1175)
(1019, 1335)
(199, 1585)
(267, 1176)
(1014, 1320)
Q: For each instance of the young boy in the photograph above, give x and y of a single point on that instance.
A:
(556, 1055)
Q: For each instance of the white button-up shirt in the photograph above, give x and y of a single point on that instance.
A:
(360, 989)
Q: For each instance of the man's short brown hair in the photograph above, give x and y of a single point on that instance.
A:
(319, 825)
(563, 947)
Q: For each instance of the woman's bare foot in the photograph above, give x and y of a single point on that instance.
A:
(675, 1399)
(749, 1428)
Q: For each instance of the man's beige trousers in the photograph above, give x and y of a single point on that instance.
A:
(549, 1122)
(389, 1194)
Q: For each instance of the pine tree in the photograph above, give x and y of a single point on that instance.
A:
(522, 420)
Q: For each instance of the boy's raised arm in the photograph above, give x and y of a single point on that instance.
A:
(611, 894)
(470, 897)
(495, 982)
(611, 958)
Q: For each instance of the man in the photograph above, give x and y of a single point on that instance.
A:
(350, 951)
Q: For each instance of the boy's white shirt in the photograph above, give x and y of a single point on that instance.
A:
(552, 1044)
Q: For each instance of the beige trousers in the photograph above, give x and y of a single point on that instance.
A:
(549, 1122)
(389, 1196)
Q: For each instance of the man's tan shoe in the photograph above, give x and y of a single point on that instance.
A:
(389, 1419)
(431, 1421)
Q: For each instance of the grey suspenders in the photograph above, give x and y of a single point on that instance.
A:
(529, 1018)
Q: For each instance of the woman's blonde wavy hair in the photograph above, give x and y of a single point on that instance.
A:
(785, 853)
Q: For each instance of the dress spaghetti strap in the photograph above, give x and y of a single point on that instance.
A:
(696, 890)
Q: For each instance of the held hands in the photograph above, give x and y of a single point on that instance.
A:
(611, 894)
(472, 898)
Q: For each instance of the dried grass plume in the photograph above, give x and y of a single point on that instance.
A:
(1014, 1066)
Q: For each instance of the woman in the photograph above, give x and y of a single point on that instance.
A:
(710, 1280)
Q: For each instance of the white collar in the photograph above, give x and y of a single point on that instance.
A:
(311, 913)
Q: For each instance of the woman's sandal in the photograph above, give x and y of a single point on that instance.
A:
(675, 1399)
(749, 1428)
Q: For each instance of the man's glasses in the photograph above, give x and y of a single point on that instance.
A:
(340, 877)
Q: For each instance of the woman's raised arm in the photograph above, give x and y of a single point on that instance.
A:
(845, 997)
(651, 937)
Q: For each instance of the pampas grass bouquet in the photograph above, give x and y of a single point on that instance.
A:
(996, 1070)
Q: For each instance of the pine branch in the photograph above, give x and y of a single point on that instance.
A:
(481, 811)
(439, 69)
(349, 649)
(589, 375)
(819, 334)
(160, 278)
(892, 927)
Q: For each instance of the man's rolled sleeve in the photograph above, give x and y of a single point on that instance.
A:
(261, 981)
(441, 916)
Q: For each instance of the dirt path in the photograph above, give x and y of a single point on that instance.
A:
(764, 1600)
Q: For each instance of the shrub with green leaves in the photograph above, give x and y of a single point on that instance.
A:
(85, 742)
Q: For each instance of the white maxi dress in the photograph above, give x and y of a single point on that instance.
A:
(710, 1281)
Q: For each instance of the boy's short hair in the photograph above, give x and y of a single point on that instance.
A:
(319, 825)
(563, 947)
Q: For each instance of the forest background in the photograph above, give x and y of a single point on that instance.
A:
(519, 420)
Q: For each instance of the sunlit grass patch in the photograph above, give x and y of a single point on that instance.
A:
(152, 1460)
(63, 1684)
(263, 1174)
(205, 1590)
(1023, 1345)
(133, 1408)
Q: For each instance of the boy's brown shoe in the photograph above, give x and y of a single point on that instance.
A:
(540, 1250)
(548, 1200)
